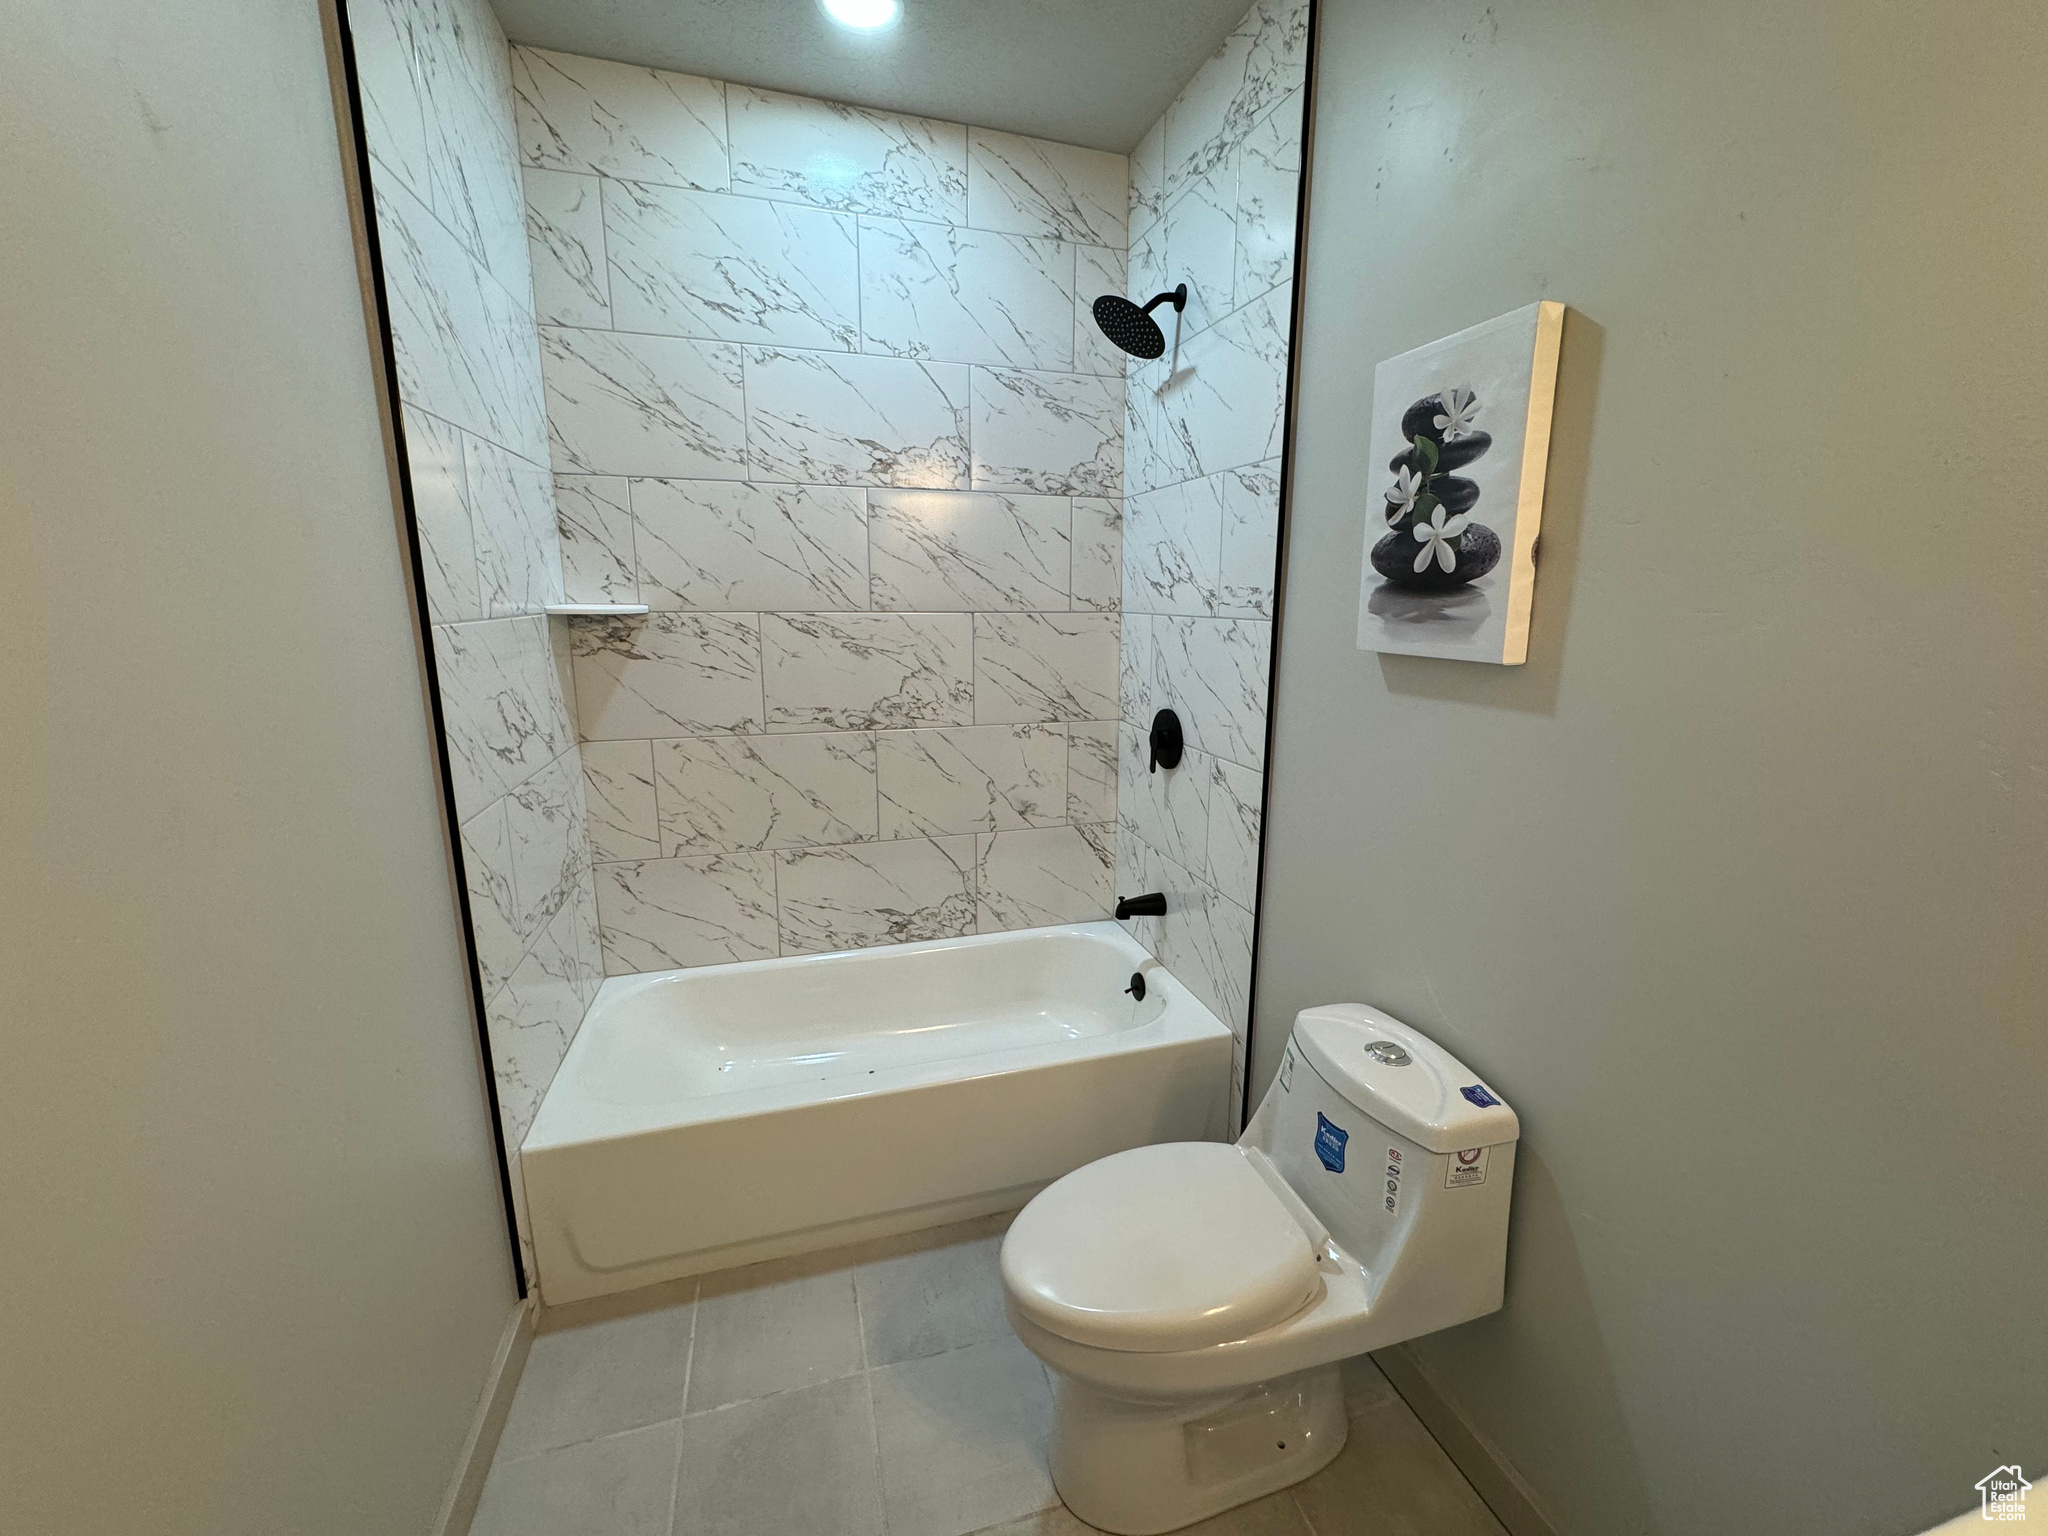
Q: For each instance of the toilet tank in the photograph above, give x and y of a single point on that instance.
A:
(1400, 1149)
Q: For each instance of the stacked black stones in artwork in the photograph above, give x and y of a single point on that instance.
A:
(1431, 543)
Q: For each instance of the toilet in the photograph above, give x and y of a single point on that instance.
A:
(1193, 1299)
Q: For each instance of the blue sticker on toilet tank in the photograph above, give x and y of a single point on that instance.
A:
(1478, 1095)
(1330, 1141)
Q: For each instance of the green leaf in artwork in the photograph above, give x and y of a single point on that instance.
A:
(1425, 453)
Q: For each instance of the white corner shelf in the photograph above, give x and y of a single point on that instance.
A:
(596, 610)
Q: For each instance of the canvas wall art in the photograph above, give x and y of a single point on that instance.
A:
(1460, 441)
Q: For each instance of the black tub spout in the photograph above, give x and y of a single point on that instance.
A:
(1153, 904)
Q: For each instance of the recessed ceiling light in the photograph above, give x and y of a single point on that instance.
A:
(864, 15)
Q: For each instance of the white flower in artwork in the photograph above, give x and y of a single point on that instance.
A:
(1401, 498)
(1455, 420)
(1435, 536)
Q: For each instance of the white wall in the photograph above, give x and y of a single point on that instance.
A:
(1213, 197)
(824, 393)
(255, 1262)
(1736, 890)
(436, 86)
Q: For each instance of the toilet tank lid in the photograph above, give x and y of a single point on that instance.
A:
(1435, 1100)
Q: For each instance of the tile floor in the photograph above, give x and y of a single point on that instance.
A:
(871, 1391)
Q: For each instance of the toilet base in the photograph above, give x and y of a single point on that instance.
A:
(1142, 1468)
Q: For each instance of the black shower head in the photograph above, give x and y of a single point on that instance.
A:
(1132, 327)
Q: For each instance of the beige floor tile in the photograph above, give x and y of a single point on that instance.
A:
(598, 1379)
(798, 1462)
(1392, 1479)
(1274, 1515)
(617, 1486)
(1365, 1388)
(772, 1328)
(930, 1301)
(963, 1439)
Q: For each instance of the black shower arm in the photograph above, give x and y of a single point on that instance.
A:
(1178, 297)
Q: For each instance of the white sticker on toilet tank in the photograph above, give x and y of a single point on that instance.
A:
(1467, 1167)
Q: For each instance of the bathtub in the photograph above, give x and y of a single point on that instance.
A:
(716, 1116)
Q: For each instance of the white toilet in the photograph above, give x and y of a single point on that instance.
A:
(1193, 1299)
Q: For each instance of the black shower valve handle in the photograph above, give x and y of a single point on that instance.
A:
(1165, 741)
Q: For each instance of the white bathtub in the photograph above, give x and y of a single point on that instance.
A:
(716, 1116)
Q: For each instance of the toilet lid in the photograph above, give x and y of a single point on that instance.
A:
(1159, 1248)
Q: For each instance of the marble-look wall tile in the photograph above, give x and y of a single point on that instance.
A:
(501, 705)
(1137, 681)
(594, 522)
(440, 501)
(1148, 179)
(824, 419)
(1235, 800)
(1145, 276)
(1231, 937)
(1183, 939)
(939, 551)
(621, 404)
(1263, 60)
(465, 75)
(1155, 456)
(1091, 771)
(1055, 433)
(875, 893)
(618, 787)
(518, 550)
(394, 118)
(1098, 270)
(493, 903)
(1044, 666)
(463, 344)
(1035, 187)
(578, 114)
(1268, 193)
(668, 674)
(1251, 540)
(1169, 809)
(708, 264)
(545, 819)
(565, 240)
(1044, 875)
(867, 671)
(851, 158)
(738, 793)
(1201, 246)
(532, 1019)
(965, 296)
(1227, 406)
(1098, 553)
(733, 545)
(1134, 859)
(658, 914)
(1215, 674)
(562, 652)
(982, 778)
(1173, 541)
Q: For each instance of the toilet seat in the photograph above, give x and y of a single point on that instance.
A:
(1159, 1249)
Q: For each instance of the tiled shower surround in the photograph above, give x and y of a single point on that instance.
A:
(819, 386)
(824, 393)
(1213, 199)
(437, 105)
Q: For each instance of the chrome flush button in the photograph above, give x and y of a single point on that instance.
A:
(1388, 1054)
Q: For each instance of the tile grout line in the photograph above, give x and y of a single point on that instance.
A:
(675, 1478)
(867, 1382)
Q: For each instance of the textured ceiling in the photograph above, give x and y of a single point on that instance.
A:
(1093, 72)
